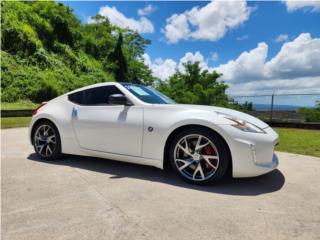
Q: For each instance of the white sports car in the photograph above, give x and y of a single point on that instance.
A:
(137, 124)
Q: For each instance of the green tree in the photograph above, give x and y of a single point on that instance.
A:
(195, 86)
(247, 106)
(311, 114)
(120, 65)
(318, 105)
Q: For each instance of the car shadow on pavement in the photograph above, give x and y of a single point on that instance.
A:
(267, 183)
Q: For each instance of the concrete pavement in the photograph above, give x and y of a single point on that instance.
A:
(90, 198)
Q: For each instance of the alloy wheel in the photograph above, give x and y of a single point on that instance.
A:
(196, 157)
(45, 141)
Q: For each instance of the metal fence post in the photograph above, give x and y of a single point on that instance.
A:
(271, 108)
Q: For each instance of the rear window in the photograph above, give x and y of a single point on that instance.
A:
(76, 97)
(94, 96)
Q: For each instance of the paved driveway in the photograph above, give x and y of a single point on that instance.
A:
(90, 198)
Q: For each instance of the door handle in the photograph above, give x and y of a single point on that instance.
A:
(74, 113)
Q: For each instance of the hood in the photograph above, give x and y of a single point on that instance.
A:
(241, 115)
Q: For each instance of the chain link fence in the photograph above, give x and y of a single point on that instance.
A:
(295, 108)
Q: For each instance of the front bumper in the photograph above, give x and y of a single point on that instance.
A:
(252, 153)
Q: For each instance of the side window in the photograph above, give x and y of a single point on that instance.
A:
(99, 95)
(76, 97)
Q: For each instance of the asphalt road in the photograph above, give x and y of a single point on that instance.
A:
(90, 198)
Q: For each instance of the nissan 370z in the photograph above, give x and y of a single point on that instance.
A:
(137, 124)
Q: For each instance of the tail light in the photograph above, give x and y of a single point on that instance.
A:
(34, 112)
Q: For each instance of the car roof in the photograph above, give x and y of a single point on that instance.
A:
(92, 86)
(101, 85)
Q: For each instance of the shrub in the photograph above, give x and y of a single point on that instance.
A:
(45, 92)
(311, 115)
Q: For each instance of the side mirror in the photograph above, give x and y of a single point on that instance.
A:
(119, 99)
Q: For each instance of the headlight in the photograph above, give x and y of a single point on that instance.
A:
(242, 124)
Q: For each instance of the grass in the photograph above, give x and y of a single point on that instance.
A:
(14, 122)
(20, 105)
(300, 141)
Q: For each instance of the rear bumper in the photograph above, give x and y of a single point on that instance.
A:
(30, 130)
(253, 153)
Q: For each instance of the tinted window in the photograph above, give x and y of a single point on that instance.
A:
(94, 96)
(76, 97)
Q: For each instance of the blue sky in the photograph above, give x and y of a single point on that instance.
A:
(260, 47)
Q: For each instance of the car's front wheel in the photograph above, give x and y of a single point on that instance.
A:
(199, 156)
(46, 141)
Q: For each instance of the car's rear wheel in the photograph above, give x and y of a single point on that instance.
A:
(46, 141)
(199, 156)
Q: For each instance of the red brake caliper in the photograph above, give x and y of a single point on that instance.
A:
(208, 151)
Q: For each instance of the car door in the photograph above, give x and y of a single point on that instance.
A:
(100, 126)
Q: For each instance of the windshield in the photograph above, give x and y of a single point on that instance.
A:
(147, 94)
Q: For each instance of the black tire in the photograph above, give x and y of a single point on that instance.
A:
(56, 148)
(220, 146)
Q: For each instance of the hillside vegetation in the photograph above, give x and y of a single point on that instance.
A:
(46, 51)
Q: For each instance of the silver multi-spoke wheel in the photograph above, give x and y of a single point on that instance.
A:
(45, 140)
(196, 157)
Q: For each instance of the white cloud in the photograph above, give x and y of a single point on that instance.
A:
(177, 28)
(241, 38)
(142, 25)
(192, 58)
(249, 65)
(296, 85)
(162, 69)
(214, 56)
(210, 22)
(295, 66)
(298, 58)
(293, 5)
(147, 10)
(281, 38)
